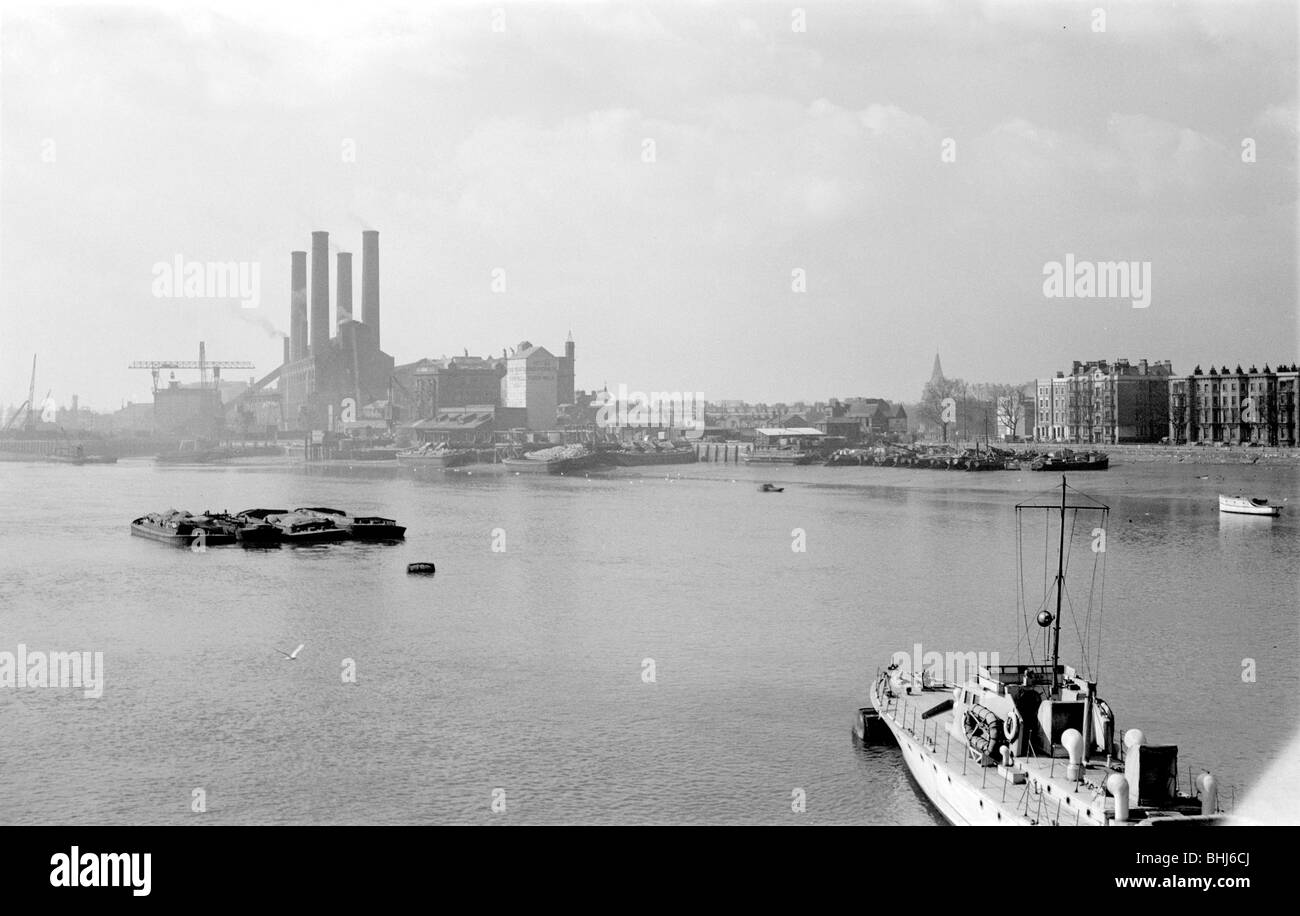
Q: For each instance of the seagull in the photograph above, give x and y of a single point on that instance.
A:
(291, 657)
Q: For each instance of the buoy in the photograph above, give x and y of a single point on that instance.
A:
(423, 569)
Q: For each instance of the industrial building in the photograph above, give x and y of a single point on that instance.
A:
(460, 381)
(527, 380)
(330, 377)
(335, 374)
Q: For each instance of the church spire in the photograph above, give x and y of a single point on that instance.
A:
(937, 375)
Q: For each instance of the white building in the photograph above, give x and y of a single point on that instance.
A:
(532, 381)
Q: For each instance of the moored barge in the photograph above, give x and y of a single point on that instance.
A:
(359, 527)
(182, 529)
(297, 527)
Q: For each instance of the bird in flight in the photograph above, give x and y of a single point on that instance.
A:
(291, 656)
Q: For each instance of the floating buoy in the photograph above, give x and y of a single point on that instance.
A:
(422, 569)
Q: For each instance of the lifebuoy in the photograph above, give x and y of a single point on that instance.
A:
(1011, 726)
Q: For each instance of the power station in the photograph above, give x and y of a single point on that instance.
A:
(330, 367)
(335, 377)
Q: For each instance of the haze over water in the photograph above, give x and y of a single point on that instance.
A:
(522, 670)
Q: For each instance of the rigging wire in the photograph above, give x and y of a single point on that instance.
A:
(1074, 619)
(1020, 581)
(1091, 662)
(1101, 600)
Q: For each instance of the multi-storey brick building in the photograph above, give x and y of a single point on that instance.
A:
(460, 381)
(1105, 402)
(1235, 406)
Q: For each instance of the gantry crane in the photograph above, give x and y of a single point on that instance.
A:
(202, 364)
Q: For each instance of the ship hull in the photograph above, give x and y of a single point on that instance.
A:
(314, 536)
(1067, 464)
(259, 536)
(642, 459)
(961, 802)
(448, 460)
(1245, 506)
(554, 466)
(377, 531)
(780, 457)
(145, 530)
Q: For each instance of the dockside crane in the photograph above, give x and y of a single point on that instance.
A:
(202, 364)
(28, 404)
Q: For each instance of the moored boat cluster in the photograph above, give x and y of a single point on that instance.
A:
(949, 458)
(264, 527)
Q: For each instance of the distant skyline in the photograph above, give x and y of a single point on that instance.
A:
(658, 179)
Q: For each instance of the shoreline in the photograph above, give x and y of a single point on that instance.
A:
(1120, 454)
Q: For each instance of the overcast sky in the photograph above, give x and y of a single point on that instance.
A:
(517, 142)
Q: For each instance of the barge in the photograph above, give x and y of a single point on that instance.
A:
(358, 527)
(298, 528)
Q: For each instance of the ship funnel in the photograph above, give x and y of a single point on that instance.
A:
(1209, 793)
(1072, 741)
(1117, 786)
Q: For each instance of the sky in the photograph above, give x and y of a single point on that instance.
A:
(747, 200)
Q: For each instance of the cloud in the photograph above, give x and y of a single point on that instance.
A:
(745, 168)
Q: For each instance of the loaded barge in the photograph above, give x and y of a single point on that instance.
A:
(264, 527)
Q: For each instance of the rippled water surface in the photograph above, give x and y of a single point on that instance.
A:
(522, 670)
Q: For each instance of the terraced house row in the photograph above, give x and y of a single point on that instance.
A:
(1251, 407)
(1117, 401)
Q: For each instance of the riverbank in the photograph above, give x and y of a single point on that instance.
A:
(1188, 454)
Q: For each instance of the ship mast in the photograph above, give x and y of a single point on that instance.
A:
(1060, 585)
(1046, 618)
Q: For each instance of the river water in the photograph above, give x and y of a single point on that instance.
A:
(522, 675)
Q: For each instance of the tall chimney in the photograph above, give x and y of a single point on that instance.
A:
(370, 280)
(286, 350)
(298, 305)
(344, 294)
(320, 291)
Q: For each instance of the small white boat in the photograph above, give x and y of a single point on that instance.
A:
(1247, 505)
